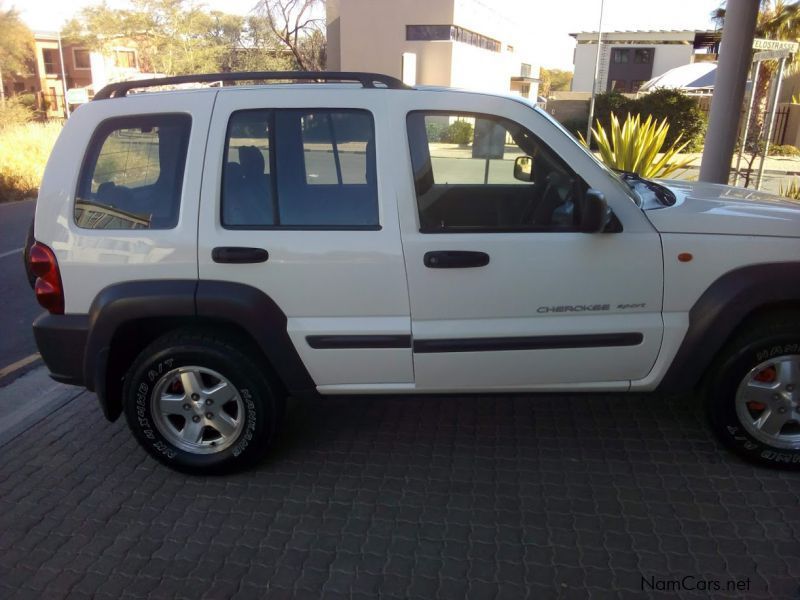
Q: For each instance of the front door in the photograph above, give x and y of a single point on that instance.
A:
(505, 292)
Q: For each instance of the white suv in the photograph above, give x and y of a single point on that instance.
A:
(205, 253)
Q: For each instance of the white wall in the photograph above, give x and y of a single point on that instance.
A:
(371, 37)
(667, 56)
(670, 56)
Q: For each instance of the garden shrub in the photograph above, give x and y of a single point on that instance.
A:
(458, 132)
(784, 150)
(15, 111)
(24, 149)
(685, 117)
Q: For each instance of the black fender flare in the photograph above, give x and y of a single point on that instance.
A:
(721, 309)
(188, 301)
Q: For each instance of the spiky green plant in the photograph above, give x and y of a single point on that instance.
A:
(791, 191)
(638, 146)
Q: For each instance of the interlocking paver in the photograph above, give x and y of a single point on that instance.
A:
(501, 497)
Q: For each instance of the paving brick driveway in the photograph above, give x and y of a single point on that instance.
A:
(508, 497)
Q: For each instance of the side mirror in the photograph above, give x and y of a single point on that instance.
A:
(595, 213)
(523, 168)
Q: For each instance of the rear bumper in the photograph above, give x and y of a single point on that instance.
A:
(61, 340)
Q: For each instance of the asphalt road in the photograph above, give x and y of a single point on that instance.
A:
(19, 307)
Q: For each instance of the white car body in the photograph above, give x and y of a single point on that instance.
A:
(346, 283)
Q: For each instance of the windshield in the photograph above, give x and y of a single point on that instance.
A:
(623, 185)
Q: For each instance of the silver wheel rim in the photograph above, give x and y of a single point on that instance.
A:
(197, 410)
(768, 402)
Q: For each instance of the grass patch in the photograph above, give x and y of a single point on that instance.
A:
(24, 149)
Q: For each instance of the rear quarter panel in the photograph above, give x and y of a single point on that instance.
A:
(91, 259)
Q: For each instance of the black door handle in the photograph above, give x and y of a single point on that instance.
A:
(455, 259)
(238, 255)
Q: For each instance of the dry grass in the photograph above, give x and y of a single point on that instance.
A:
(24, 149)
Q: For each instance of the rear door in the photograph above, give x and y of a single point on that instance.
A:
(293, 173)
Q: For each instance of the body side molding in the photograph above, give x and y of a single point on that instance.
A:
(539, 342)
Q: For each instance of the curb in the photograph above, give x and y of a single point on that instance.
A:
(28, 400)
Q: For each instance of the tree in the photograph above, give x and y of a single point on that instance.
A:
(294, 24)
(777, 20)
(553, 80)
(176, 37)
(16, 47)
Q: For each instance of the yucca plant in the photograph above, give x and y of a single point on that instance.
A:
(637, 146)
(791, 191)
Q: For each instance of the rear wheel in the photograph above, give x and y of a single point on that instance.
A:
(754, 393)
(199, 403)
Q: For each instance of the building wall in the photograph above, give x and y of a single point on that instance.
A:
(679, 51)
(370, 35)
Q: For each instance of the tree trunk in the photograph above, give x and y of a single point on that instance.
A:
(760, 101)
(2, 91)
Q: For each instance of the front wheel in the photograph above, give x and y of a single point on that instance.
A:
(198, 403)
(754, 394)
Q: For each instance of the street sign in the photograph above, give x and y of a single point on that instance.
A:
(77, 96)
(771, 55)
(762, 44)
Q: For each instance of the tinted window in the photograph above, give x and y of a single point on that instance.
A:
(464, 171)
(320, 173)
(133, 173)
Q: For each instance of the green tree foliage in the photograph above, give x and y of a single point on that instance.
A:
(178, 36)
(554, 80)
(16, 46)
(681, 111)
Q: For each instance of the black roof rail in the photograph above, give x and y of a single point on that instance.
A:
(368, 80)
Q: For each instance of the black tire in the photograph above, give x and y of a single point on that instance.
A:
(29, 240)
(759, 341)
(260, 398)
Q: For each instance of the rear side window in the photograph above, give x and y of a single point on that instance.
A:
(132, 174)
(300, 169)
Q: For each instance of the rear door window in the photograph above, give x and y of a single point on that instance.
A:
(132, 174)
(300, 169)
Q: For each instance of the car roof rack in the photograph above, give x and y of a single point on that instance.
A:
(368, 80)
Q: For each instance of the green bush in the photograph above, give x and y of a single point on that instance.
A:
(785, 150)
(458, 132)
(24, 149)
(14, 112)
(682, 112)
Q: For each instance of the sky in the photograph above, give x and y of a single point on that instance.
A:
(546, 24)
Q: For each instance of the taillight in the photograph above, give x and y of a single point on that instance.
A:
(48, 288)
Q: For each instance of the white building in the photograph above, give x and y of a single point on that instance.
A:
(630, 58)
(471, 44)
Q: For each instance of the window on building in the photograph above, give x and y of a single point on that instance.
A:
(525, 90)
(133, 174)
(325, 160)
(125, 59)
(472, 187)
(451, 33)
(525, 70)
(643, 56)
(509, 48)
(81, 58)
(620, 56)
(52, 65)
(618, 85)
